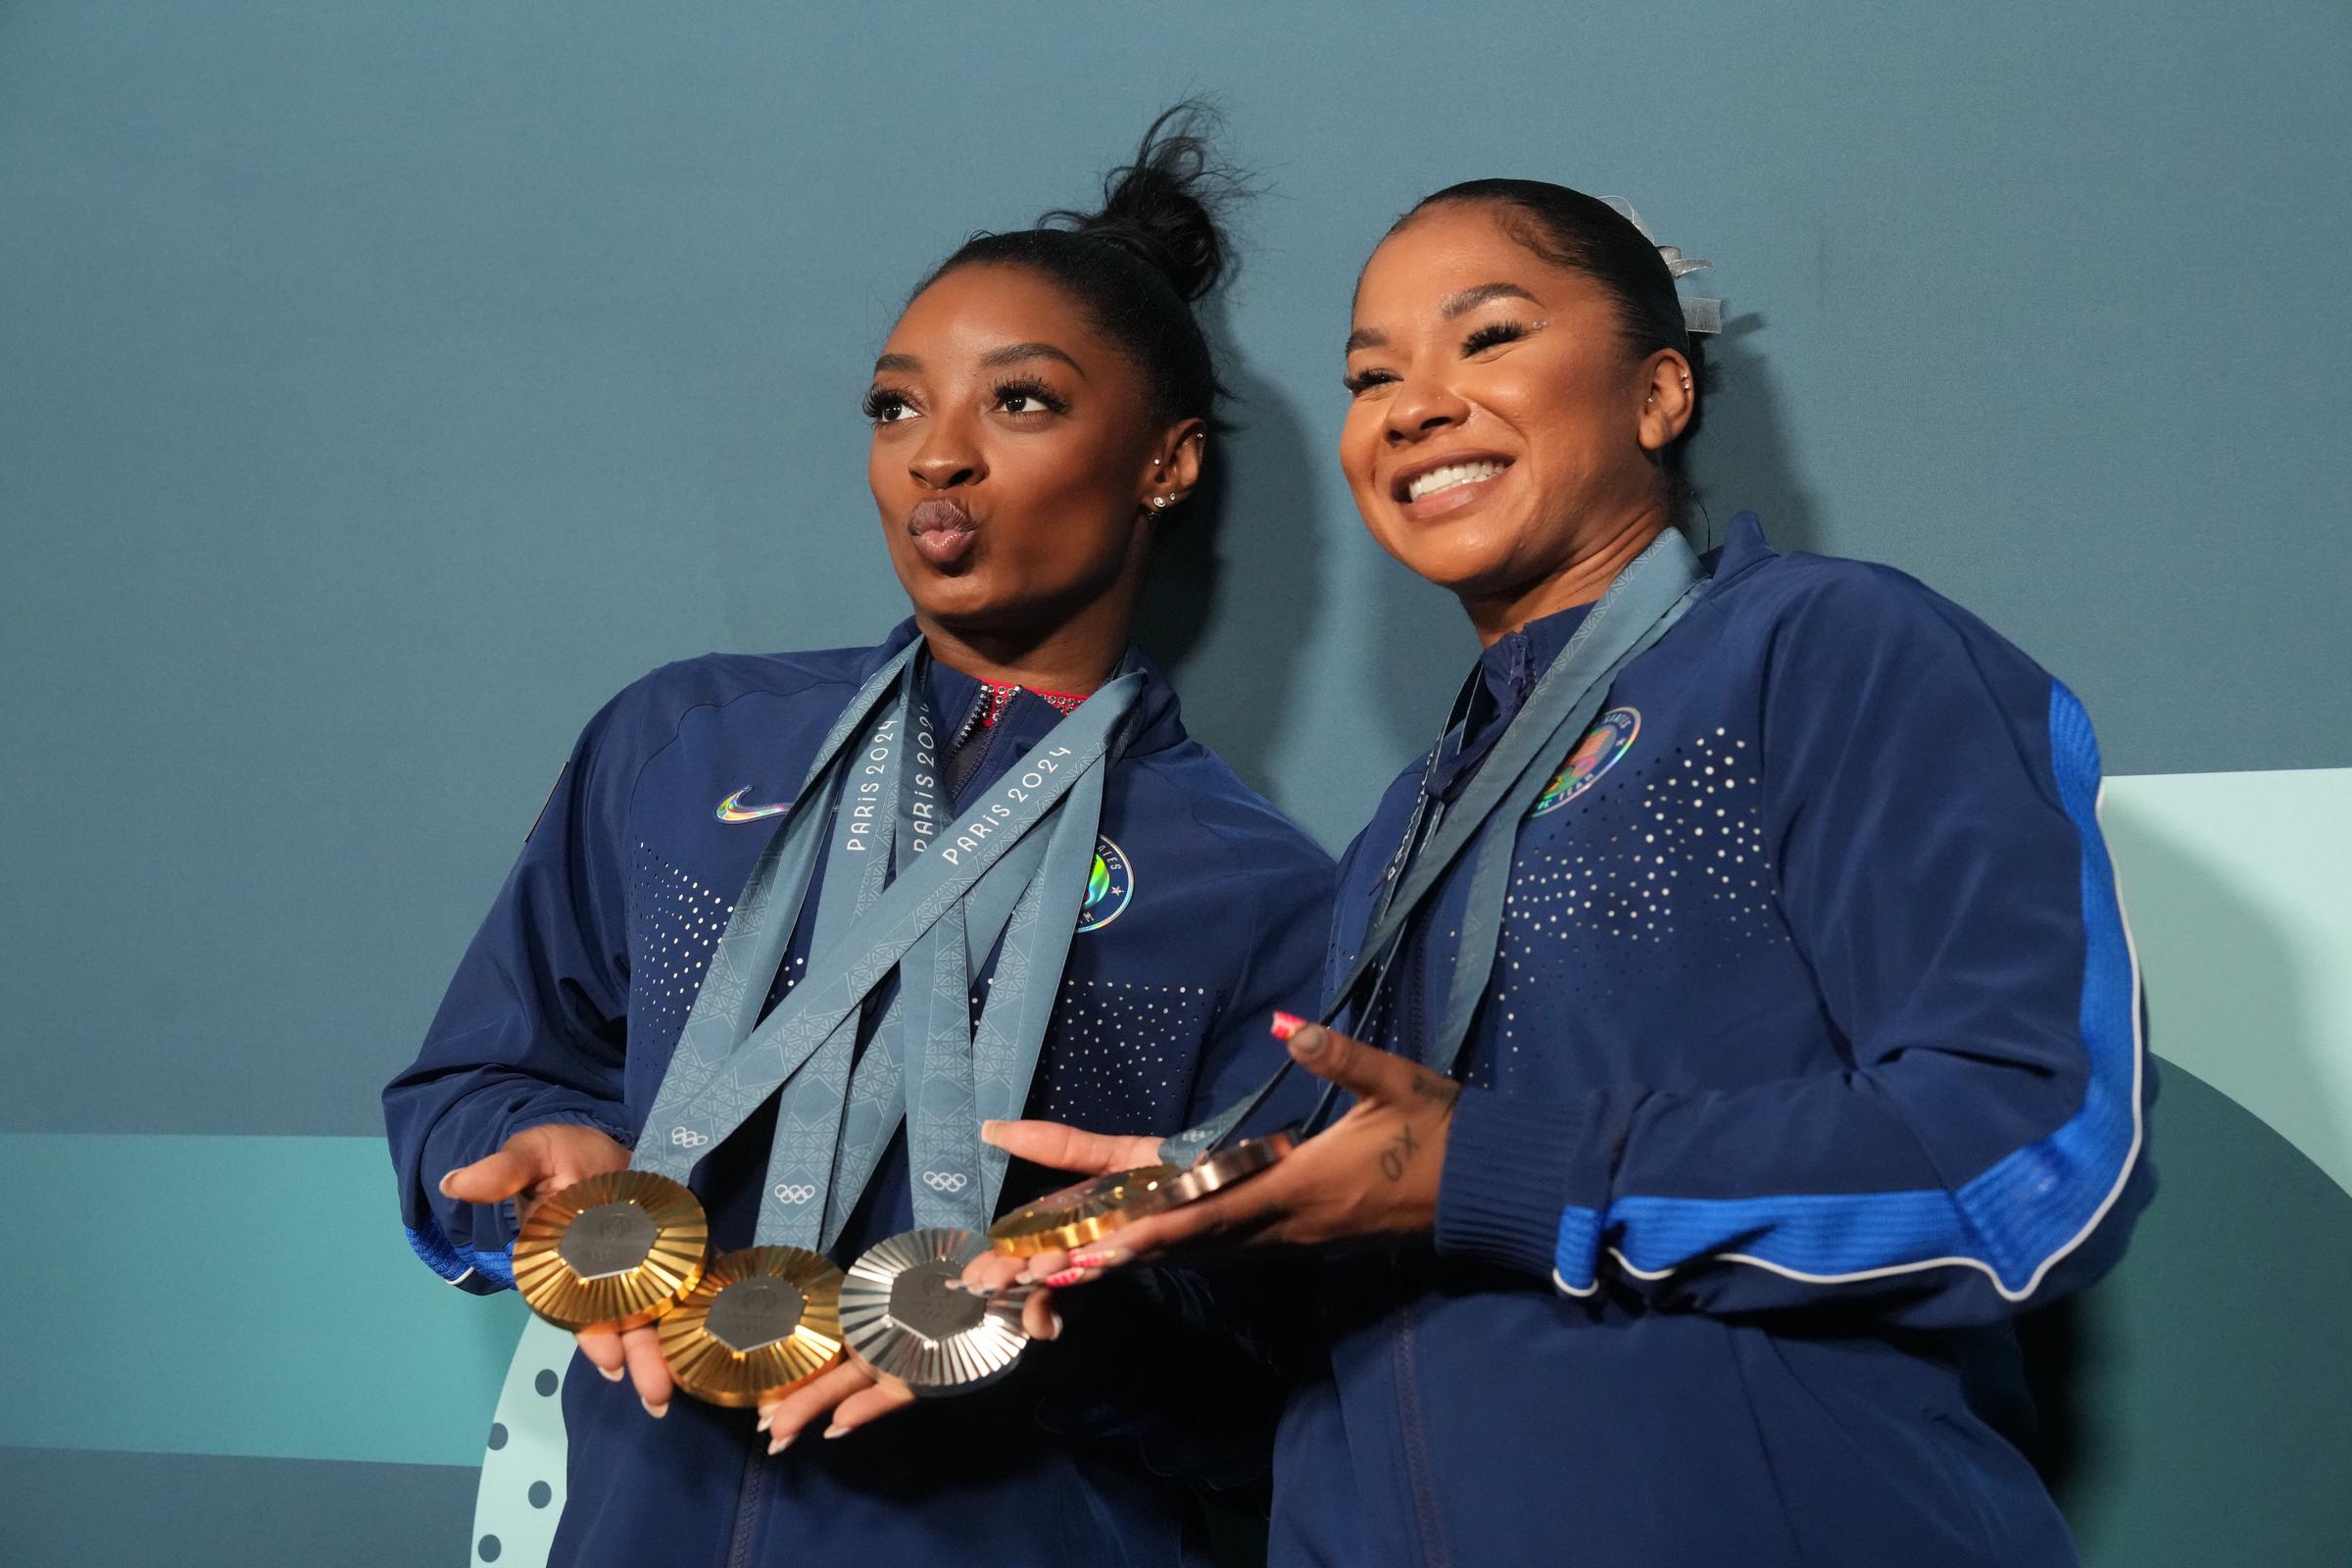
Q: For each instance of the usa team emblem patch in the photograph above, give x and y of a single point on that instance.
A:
(1109, 886)
(1594, 754)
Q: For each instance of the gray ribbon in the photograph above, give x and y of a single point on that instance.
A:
(1646, 598)
(926, 898)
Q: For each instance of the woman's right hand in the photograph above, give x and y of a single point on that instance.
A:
(545, 1159)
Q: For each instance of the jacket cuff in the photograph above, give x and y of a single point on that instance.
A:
(1511, 1166)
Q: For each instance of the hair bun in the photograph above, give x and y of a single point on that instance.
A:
(1163, 208)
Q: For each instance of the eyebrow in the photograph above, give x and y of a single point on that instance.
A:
(1470, 299)
(1013, 353)
(1456, 305)
(1010, 354)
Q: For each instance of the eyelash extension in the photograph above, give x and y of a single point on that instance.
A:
(1024, 387)
(1364, 381)
(881, 400)
(1493, 335)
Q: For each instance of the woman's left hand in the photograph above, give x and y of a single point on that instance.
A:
(1372, 1175)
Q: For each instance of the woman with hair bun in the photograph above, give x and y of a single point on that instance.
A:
(1736, 1002)
(1040, 412)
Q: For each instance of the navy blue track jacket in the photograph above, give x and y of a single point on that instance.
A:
(1207, 911)
(1811, 1053)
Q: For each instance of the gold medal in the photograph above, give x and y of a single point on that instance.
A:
(758, 1322)
(1074, 1215)
(620, 1249)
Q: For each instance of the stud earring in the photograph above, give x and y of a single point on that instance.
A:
(1160, 501)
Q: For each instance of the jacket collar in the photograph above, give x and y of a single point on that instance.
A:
(1158, 722)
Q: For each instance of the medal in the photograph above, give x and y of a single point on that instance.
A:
(1210, 1173)
(1156, 1189)
(758, 1322)
(907, 1322)
(1074, 1215)
(620, 1249)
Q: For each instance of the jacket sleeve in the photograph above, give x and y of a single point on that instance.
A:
(1931, 798)
(534, 1027)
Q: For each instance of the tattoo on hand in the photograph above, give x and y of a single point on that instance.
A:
(1437, 1091)
(1392, 1160)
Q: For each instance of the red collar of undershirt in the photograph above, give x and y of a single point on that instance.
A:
(997, 695)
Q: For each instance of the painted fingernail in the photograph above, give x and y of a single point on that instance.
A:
(657, 1411)
(837, 1431)
(611, 1374)
(1103, 1257)
(765, 1417)
(1052, 1324)
(1068, 1276)
(781, 1443)
(1024, 1277)
(1287, 1024)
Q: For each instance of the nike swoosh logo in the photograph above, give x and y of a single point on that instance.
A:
(732, 808)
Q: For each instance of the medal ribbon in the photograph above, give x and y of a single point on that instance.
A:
(687, 1121)
(882, 777)
(1646, 598)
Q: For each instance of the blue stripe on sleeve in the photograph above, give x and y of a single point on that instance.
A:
(454, 1262)
(2014, 1221)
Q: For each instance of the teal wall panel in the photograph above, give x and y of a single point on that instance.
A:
(245, 1296)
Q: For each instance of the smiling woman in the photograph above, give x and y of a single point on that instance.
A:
(1738, 1008)
(963, 808)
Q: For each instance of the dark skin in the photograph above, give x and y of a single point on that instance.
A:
(1468, 352)
(996, 394)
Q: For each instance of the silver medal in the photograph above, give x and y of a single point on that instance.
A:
(907, 1324)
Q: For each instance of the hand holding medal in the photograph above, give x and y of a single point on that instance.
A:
(543, 1162)
(1372, 1174)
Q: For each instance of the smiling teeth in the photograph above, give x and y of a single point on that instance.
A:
(1445, 478)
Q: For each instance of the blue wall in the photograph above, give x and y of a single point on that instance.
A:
(382, 385)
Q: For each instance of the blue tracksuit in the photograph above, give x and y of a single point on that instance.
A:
(1206, 912)
(1810, 1054)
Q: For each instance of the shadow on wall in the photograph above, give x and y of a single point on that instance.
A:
(2190, 1405)
(1742, 459)
(2193, 1401)
(1224, 611)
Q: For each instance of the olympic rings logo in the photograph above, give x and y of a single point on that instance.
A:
(946, 1181)
(688, 1138)
(795, 1193)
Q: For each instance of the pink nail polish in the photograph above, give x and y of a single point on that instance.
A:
(1287, 1024)
(1068, 1276)
(1105, 1258)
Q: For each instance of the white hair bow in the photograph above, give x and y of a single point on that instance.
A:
(1699, 315)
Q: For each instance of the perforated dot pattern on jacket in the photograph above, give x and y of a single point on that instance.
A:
(675, 925)
(1120, 1048)
(1663, 863)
